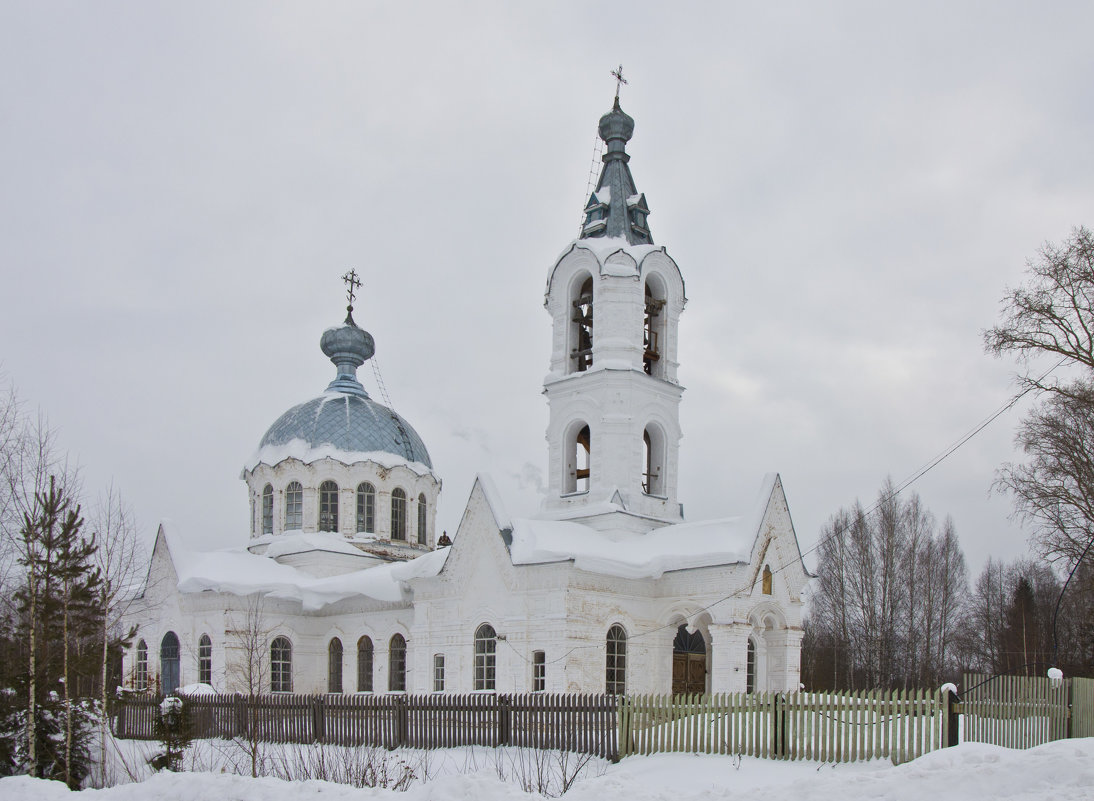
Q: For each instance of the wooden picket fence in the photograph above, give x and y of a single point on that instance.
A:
(580, 723)
(1025, 711)
(831, 727)
(898, 725)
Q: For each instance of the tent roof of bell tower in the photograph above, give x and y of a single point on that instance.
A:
(616, 209)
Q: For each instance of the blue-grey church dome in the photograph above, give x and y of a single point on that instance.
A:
(349, 422)
(344, 416)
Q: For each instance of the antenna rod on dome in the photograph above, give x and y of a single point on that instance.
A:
(617, 73)
(353, 283)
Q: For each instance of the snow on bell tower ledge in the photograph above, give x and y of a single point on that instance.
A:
(615, 301)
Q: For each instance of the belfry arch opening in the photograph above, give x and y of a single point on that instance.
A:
(653, 464)
(653, 328)
(578, 459)
(581, 324)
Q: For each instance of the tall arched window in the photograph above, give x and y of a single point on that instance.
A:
(578, 459)
(294, 506)
(364, 665)
(169, 663)
(653, 447)
(205, 660)
(267, 509)
(396, 664)
(328, 506)
(334, 666)
(750, 667)
(653, 328)
(486, 648)
(398, 514)
(140, 670)
(581, 325)
(766, 588)
(280, 665)
(366, 508)
(615, 674)
(421, 519)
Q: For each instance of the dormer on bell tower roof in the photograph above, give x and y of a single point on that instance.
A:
(616, 208)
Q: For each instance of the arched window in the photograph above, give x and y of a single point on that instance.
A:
(267, 509)
(364, 665)
(280, 665)
(294, 507)
(579, 459)
(767, 580)
(334, 666)
(581, 325)
(328, 506)
(421, 519)
(750, 667)
(653, 329)
(169, 663)
(615, 674)
(366, 508)
(486, 648)
(396, 664)
(205, 660)
(438, 673)
(140, 671)
(653, 476)
(398, 514)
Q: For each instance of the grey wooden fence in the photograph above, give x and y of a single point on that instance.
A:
(581, 723)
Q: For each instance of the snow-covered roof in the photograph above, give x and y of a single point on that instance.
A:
(627, 554)
(630, 555)
(236, 571)
(292, 542)
(307, 453)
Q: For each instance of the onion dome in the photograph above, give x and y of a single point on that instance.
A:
(616, 124)
(345, 417)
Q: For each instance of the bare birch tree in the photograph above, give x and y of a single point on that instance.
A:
(248, 668)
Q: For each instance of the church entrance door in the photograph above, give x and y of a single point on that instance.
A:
(689, 663)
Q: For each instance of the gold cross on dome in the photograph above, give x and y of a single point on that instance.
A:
(353, 283)
(617, 73)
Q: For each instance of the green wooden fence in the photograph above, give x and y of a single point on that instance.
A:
(1024, 711)
(831, 727)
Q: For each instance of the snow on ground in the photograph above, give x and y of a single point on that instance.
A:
(1060, 771)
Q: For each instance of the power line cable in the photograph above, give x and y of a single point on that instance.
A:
(907, 482)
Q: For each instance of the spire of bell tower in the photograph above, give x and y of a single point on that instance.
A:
(616, 208)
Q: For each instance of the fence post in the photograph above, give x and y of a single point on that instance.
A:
(119, 729)
(504, 710)
(1068, 688)
(623, 726)
(402, 721)
(778, 726)
(953, 719)
(318, 720)
(239, 716)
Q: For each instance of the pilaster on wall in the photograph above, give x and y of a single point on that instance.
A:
(729, 657)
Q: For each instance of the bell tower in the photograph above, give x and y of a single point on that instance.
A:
(615, 301)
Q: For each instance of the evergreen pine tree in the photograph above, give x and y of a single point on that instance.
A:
(59, 617)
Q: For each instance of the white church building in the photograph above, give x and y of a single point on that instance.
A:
(344, 585)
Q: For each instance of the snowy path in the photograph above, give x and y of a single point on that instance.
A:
(1060, 771)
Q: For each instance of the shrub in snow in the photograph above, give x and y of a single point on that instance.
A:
(172, 728)
(1055, 675)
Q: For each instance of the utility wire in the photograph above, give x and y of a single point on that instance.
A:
(907, 482)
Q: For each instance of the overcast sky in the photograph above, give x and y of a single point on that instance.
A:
(848, 188)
